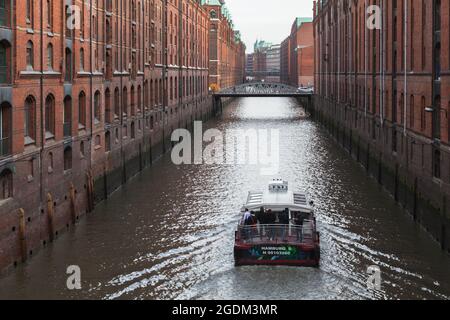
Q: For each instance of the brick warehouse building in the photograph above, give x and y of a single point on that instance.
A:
(83, 110)
(297, 54)
(385, 94)
(226, 50)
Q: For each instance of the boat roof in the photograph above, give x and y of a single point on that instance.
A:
(277, 198)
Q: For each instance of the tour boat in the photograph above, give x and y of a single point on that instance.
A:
(281, 230)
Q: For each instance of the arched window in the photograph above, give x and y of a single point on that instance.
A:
(125, 101)
(108, 110)
(30, 55)
(67, 158)
(146, 94)
(67, 117)
(82, 109)
(6, 184)
(97, 111)
(50, 115)
(213, 14)
(5, 129)
(139, 99)
(133, 102)
(116, 102)
(30, 119)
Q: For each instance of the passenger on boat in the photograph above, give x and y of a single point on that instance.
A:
(299, 219)
(271, 218)
(284, 223)
(261, 220)
(298, 223)
(247, 217)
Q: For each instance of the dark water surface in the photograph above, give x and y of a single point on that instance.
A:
(169, 233)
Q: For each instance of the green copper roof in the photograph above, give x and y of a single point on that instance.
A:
(300, 21)
(211, 2)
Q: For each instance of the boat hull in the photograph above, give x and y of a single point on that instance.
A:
(281, 254)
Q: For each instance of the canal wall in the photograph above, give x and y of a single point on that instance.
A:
(29, 225)
(406, 174)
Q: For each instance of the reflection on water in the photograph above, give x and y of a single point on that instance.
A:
(169, 233)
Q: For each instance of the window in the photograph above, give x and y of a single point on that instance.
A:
(81, 59)
(133, 131)
(133, 102)
(30, 55)
(4, 12)
(108, 111)
(6, 184)
(5, 129)
(125, 101)
(82, 150)
(50, 14)
(139, 99)
(50, 56)
(29, 12)
(67, 158)
(4, 62)
(97, 111)
(82, 109)
(116, 102)
(68, 75)
(50, 115)
(107, 141)
(30, 118)
(67, 116)
(437, 164)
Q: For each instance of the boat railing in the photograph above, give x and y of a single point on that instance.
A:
(276, 233)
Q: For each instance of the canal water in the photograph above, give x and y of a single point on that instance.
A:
(169, 232)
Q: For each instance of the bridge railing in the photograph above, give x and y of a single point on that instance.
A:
(261, 89)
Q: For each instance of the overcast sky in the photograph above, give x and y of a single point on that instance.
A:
(269, 20)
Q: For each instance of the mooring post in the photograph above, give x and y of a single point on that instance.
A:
(22, 235)
(50, 216)
(73, 213)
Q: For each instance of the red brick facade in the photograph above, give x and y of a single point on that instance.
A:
(389, 89)
(297, 54)
(226, 50)
(82, 110)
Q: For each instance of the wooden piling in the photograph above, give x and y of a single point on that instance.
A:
(22, 235)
